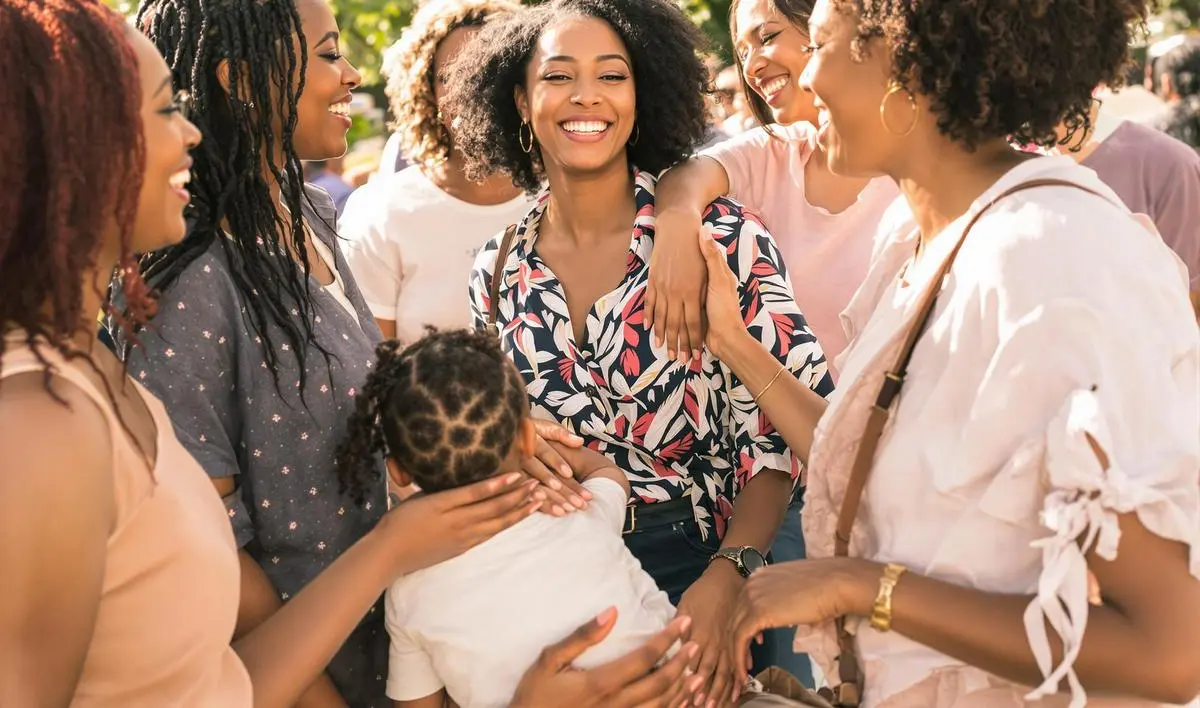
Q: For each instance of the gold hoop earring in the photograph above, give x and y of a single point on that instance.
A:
(637, 134)
(526, 147)
(893, 88)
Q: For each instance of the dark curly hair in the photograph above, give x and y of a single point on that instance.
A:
(74, 153)
(999, 68)
(446, 409)
(671, 83)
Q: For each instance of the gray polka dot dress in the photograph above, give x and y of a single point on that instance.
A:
(206, 364)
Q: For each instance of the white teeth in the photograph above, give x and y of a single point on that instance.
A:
(585, 126)
(775, 85)
(180, 179)
(340, 109)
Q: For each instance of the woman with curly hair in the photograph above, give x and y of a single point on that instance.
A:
(824, 223)
(413, 235)
(1030, 506)
(128, 594)
(595, 97)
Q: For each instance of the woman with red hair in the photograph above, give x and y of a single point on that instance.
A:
(128, 593)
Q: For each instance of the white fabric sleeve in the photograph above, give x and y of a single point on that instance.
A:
(755, 156)
(411, 674)
(373, 254)
(1115, 355)
(609, 501)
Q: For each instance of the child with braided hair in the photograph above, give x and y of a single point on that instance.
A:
(451, 410)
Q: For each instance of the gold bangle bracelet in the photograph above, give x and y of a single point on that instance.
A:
(881, 612)
(770, 384)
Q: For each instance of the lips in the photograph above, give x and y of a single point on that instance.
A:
(771, 88)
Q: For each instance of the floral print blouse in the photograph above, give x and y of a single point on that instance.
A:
(675, 429)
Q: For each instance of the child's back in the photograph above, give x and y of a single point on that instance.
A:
(475, 623)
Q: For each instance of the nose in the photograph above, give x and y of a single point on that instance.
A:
(585, 93)
(807, 75)
(191, 134)
(352, 77)
(754, 62)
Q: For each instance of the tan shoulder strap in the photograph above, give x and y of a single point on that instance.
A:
(849, 693)
(498, 277)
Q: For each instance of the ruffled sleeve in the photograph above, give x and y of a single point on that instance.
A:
(1082, 514)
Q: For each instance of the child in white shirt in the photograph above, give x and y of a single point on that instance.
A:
(452, 410)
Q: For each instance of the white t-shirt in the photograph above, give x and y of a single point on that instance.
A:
(411, 247)
(474, 624)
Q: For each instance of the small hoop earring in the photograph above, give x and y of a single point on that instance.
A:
(637, 134)
(526, 147)
(893, 88)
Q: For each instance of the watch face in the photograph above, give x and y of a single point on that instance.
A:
(752, 560)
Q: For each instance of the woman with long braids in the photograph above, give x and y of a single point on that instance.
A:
(127, 595)
(261, 336)
(411, 236)
(1003, 505)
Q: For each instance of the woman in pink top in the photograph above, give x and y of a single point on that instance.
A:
(124, 590)
(824, 223)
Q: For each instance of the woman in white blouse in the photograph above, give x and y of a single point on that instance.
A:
(1028, 533)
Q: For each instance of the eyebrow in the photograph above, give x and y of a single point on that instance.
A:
(328, 35)
(602, 57)
(166, 82)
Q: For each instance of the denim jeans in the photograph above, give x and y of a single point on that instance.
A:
(789, 546)
(675, 556)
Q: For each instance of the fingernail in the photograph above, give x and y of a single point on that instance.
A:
(586, 494)
(606, 616)
(558, 510)
(711, 704)
(566, 471)
(578, 501)
(698, 700)
(686, 623)
(555, 484)
(696, 354)
(693, 650)
(539, 496)
(695, 684)
(512, 478)
(670, 353)
(532, 484)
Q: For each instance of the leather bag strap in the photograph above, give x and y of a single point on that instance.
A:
(497, 278)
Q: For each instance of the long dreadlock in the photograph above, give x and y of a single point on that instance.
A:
(230, 192)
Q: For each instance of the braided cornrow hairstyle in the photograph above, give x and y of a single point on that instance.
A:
(230, 190)
(72, 142)
(446, 409)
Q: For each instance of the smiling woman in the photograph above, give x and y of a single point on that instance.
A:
(596, 97)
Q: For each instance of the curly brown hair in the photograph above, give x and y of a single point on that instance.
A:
(992, 69)
(73, 147)
(671, 85)
(409, 68)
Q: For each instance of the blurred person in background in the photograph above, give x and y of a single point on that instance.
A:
(327, 174)
(412, 236)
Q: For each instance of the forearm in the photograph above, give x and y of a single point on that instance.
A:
(289, 649)
(691, 186)
(793, 408)
(259, 601)
(758, 511)
(987, 630)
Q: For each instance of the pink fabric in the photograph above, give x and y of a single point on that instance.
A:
(826, 254)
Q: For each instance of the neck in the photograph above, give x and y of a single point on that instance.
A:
(1084, 142)
(587, 208)
(943, 180)
(450, 176)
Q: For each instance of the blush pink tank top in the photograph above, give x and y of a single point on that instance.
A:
(169, 600)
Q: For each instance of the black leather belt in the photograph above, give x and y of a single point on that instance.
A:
(641, 516)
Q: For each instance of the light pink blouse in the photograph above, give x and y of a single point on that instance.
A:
(169, 599)
(826, 254)
(1062, 319)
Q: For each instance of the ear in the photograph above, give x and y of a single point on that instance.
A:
(226, 82)
(1166, 87)
(522, 100)
(526, 438)
(400, 478)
